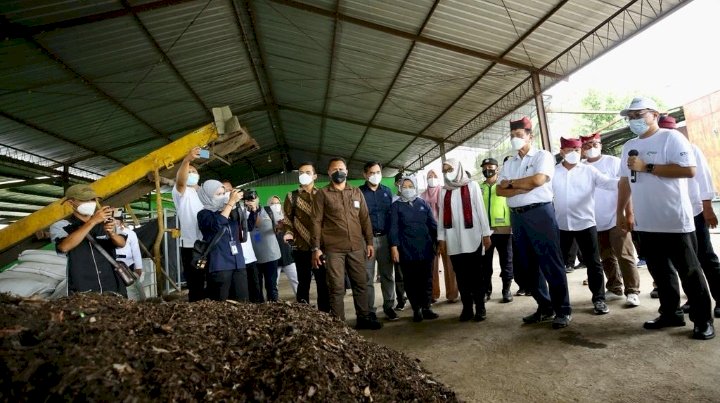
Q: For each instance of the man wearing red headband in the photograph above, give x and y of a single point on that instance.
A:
(574, 187)
(525, 181)
(617, 252)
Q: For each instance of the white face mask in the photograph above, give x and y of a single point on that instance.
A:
(221, 201)
(572, 157)
(277, 211)
(433, 182)
(517, 143)
(192, 179)
(305, 179)
(451, 176)
(87, 208)
(375, 179)
(593, 152)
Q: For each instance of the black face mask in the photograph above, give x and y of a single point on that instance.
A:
(339, 177)
(488, 173)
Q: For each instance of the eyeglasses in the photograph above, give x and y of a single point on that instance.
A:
(636, 114)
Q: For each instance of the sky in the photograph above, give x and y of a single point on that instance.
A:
(676, 60)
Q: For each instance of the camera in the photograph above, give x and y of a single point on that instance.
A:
(118, 213)
(249, 194)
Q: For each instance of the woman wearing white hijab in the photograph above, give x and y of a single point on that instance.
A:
(464, 232)
(226, 265)
(286, 264)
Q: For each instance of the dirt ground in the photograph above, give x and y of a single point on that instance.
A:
(608, 358)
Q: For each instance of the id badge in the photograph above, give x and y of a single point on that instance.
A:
(356, 203)
(233, 248)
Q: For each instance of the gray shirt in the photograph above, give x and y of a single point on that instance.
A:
(264, 241)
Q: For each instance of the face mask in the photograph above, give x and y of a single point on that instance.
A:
(488, 173)
(276, 209)
(517, 143)
(638, 126)
(192, 179)
(339, 177)
(593, 152)
(433, 182)
(408, 193)
(305, 179)
(451, 176)
(87, 208)
(221, 201)
(573, 157)
(375, 179)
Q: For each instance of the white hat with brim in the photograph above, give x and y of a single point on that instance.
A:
(638, 104)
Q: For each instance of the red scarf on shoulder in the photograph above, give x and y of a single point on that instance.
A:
(467, 207)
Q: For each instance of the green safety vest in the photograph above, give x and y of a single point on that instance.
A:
(498, 212)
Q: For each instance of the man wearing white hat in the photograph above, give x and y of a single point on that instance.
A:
(655, 167)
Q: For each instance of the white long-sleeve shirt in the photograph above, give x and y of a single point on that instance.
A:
(700, 186)
(606, 200)
(459, 239)
(575, 195)
(130, 253)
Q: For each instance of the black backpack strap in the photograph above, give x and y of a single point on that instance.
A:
(271, 215)
(213, 243)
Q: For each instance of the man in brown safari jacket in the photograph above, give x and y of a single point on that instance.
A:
(343, 232)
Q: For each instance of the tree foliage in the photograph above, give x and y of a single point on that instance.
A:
(607, 105)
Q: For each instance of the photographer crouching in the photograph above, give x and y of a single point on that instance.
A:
(88, 270)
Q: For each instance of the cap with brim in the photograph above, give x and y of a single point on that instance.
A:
(489, 161)
(638, 104)
(81, 192)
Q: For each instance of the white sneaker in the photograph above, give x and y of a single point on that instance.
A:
(633, 300)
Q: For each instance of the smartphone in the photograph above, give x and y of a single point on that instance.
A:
(204, 153)
(118, 212)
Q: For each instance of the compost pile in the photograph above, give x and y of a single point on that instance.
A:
(92, 347)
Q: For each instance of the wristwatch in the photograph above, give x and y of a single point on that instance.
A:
(649, 168)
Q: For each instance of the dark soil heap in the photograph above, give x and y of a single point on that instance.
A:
(91, 347)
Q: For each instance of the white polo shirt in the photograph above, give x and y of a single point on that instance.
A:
(575, 195)
(661, 204)
(535, 162)
(605, 199)
(701, 185)
(187, 205)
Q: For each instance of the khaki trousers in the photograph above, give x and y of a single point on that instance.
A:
(337, 264)
(451, 288)
(618, 259)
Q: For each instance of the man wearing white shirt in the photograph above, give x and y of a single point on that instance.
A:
(655, 167)
(525, 181)
(701, 194)
(130, 255)
(574, 186)
(187, 205)
(617, 251)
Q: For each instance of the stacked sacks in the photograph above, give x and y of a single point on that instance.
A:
(38, 273)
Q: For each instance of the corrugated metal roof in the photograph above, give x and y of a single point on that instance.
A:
(96, 84)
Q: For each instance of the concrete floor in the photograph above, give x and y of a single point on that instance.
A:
(608, 358)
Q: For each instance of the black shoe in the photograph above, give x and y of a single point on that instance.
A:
(654, 293)
(400, 305)
(429, 314)
(561, 321)
(703, 331)
(480, 315)
(664, 321)
(418, 316)
(487, 296)
(686, 307)
(506, 295)
(372, 315)
(600, 308)
(466, 315)
(716, 312)
(520, 292)
(390, 314)
(528, 293)
(569, 269)
(368, 323)
(538, 317)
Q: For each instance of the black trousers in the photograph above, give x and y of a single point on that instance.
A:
(228, 284)
(417, 277)
(399, 284)
(587, 242)
(706, 255)
(469, 272)
(667, 252)
(503, 244)
(303, 263)
(194, 278)
(254, 280)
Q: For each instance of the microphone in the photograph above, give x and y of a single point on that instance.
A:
(633, 174)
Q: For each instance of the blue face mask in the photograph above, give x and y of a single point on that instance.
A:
(638, 126)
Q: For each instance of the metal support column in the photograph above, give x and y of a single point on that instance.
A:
(542, 117)
(442, 151)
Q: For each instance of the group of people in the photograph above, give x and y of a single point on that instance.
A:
(530, 210)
